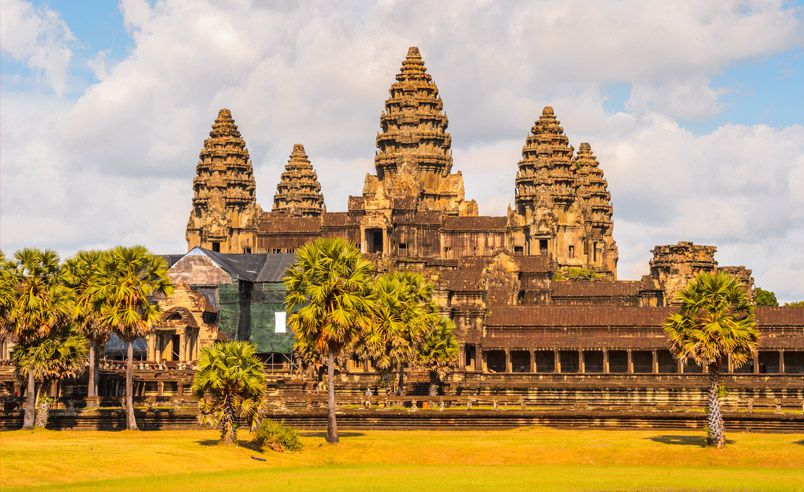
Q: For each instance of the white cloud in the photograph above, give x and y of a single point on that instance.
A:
(38, 37)
(116, 164)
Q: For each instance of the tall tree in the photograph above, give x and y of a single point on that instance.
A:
(230, 385)
(403, 312)
(130, 279)
(62, 354)
(82, 272)
(438, 353)
(765, 297)
(40, 302)
(716, 322)
(328, 297)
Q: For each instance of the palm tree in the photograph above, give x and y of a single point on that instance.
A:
(230, 385)
(40, 302)
(82, 271)
(716, 322)
(403, 312)
(6, 293)
(328, 296)
(62, 354)
(438, 353)
(130, 279)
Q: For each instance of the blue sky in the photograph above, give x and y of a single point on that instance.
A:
(694, 110)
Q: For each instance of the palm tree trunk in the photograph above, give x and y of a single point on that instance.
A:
(401, 381)
(92, 385)
(229, 432)
(131, 421)
(714, 421)
(332, 423)
(30, 402)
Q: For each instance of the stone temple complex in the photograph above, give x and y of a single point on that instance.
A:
(534, 293)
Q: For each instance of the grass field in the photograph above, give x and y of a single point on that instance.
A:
(524, 459)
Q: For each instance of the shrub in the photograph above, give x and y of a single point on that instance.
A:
(277, 436)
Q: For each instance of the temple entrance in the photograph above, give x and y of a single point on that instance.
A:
(520, 361)
(374, 243)
(545, 360)
(495, 360)
(470, 356)
(543, 247)
(175, 343)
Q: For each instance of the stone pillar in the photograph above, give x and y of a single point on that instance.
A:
(557, 361)
(183, 345)
(605, 361)
(483, 363)
(781, 362)
(180, 388)
(679, 366)
(630, 369)
(161, 386)
(756, 364)
(152, 347)
(654, 362)
(581, 362)
(532, 355)
(508, 365)
(462, 356)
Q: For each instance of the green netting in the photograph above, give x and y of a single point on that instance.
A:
(266, 300)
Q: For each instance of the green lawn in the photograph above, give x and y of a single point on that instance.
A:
(432, 461)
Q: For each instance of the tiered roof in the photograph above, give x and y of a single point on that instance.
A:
(298, 193)
(224, 167)
(593, 189)
(545, 171)
(413, 124)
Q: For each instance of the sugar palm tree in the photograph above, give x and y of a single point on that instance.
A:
(130, 279)
(39, 303)
(403, 312)
(6, 293)
(230, 385)
(62, 354)
(329, 297)
(438, 353)
(82, 272)
(716, 322)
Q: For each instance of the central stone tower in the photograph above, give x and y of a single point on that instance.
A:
(414, 156)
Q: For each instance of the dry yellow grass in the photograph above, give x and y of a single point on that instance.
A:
(524, 459)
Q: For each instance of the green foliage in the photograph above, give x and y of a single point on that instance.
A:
(403, 313)
(230, 386)
(328, 295)
(438, 352)
(62, 354)
(39, 300)
(277, 436)
(795, 304)
(128, 280)
(716, 320)
(765, 297)
(82, 273)
(576, 273)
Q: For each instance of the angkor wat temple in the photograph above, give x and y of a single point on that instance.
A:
(534, 294)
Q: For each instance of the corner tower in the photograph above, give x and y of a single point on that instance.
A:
(298, 193)
(563, 200)
(594, 201)
(224, 205)
(414, 155)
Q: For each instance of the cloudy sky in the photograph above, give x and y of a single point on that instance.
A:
(695, 110)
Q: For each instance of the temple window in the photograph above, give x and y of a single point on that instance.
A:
(518, 250)
(543, 247)
(216, 247)
(572, 251)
